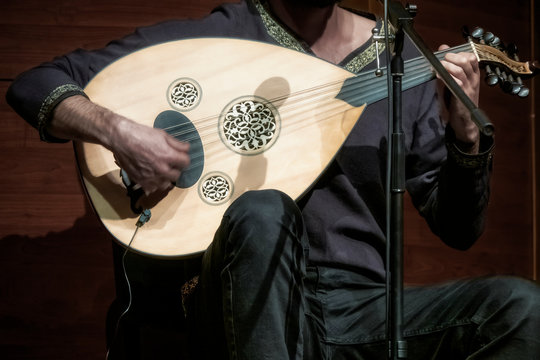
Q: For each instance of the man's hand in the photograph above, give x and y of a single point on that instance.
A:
(464, 69)
(151, 158)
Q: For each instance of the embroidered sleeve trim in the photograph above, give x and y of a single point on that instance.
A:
(469, 161)
(48, 105)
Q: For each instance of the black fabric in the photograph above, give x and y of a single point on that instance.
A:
(257, 299)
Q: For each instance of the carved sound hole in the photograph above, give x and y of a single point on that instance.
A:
(249, 125)
(216, 188)
(184, 94)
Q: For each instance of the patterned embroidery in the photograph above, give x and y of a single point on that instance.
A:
(469, 161)
(367, 56)
(187, 291)
(285, 39)
(45, 112)
(277, 31)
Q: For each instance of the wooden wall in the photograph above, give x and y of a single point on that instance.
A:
(56, 276)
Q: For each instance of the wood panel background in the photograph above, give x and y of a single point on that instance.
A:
(56, 271)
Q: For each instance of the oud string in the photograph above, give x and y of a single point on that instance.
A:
(311, 95)
(294, 109)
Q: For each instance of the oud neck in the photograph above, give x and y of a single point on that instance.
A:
(366, 88)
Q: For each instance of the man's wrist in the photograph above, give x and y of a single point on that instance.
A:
(467, 154)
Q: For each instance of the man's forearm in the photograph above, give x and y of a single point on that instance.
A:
(77, 118)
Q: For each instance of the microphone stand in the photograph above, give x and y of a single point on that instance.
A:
(402, 20)
(397, 346)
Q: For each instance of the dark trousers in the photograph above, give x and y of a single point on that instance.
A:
(258, 299)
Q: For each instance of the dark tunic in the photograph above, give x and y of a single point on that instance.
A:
(345, 211)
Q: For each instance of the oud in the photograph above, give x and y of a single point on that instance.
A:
(253, 121)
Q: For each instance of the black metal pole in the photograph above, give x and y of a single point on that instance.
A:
(397, 344)
(402, 20)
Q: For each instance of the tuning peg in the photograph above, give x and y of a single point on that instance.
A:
(523, 92)
(488, 37)
(477, 33)
(491, 78)
(495, 41)
(516, 88)
(506, 85)
(516, 84)
(509, 82)
(520, 90)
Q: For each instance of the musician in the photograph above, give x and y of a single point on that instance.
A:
(305, 280)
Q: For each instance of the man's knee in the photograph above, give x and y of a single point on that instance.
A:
(520, 297)
(262, 204)
(263, 219)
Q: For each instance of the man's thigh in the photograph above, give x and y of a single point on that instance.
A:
(447, 321)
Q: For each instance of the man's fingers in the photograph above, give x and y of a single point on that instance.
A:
(181, 159)
(465, 61)
(162, 187)
(443, 47)
(178, 145)
(457, 72)
(155, 161)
